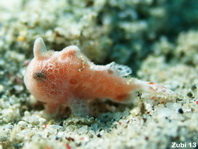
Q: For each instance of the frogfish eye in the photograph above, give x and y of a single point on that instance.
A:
(40, 75)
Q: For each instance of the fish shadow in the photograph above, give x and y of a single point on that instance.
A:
(104, 117)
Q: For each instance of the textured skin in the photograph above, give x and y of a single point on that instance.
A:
(68, 77)
(59, 77)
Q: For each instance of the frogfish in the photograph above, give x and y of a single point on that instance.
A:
(69, 78)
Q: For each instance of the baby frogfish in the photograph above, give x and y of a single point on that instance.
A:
(69, 78)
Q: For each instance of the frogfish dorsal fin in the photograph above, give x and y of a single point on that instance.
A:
(120, 70)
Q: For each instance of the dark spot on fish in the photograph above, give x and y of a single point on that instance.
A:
(110, 71)
(39, 75)
(73, 81)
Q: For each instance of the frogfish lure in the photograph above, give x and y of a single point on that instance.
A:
(69, 78)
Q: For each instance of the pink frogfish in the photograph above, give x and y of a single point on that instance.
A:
(69, 78)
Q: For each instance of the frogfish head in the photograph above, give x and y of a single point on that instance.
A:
(39, 77)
